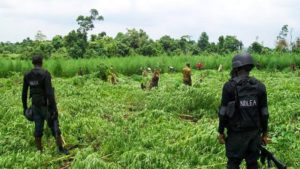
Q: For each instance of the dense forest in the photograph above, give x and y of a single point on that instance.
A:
(78, 44)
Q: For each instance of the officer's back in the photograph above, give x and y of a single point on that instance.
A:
(244, 113)
(43, 103)
(37, 79)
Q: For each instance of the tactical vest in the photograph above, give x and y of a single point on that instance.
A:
(36, 81)
(246, 116)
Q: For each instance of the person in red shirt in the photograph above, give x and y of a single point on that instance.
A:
(199, 65)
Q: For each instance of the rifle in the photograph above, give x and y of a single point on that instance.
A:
(54, 118)
(265, 154)
(51, 111)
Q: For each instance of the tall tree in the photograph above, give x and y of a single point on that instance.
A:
(282, 44)
(76, 41)
(185, 43)
(231, 43)
(168, 44)
(136, 39)
(203, 41)
(283, 33)
(256, 47)
(57, 42)
(40, 36)
(76, 44)
(86, 23)
(101, 35)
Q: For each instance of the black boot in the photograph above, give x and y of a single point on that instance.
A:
(38, 141)
(60, 147)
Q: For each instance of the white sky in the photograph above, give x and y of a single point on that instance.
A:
(245, 19)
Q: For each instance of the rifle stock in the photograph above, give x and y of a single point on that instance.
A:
(265, 154)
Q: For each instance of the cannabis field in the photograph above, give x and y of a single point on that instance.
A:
(122, 126)
(131, 65)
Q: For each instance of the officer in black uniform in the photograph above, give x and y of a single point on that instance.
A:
(43, 102)
(244, 112)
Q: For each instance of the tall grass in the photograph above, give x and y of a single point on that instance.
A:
(131, 65)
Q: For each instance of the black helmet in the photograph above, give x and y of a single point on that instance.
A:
(242, 59)
(29, 114)
(37, 60)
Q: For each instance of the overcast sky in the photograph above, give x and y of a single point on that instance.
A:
(246, 19)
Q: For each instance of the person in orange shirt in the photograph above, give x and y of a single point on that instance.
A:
(187, 73)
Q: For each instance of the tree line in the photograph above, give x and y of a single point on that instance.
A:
(77, 44)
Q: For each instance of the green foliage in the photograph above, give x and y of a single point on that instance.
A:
(150, 49)
(76, 44)
(168, 44)
(76, 41)
(231, 43)
(57, 68)
(61, 53)
(136, 39)
(122, 126)
(256, 48)
(110, 48)
(102, 71)
(296, 46)
(131, 65)
(203, 42)
(282, 44)
(86, 22)
(57, 42)
(283, 33)
(44, 48)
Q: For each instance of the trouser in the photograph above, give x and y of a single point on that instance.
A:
(242, 145)
(40, 114)
(187, 83)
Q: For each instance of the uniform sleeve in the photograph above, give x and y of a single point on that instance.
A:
(24, 93)
(224, 102)
(264, 113)
(50, 92)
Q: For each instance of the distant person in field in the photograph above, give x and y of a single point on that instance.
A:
(220, 69)
(292, 67)
(199, 65)
(43, 103)
(80, 72)
(187, 73)
(155, 79)
(244, 113)
(144, 72)
(113, 76)
(149, 70)
(144, 78)
(171, 69)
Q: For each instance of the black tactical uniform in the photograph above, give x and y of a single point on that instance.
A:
(43, 102)
(41, 92)
(244, 112)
